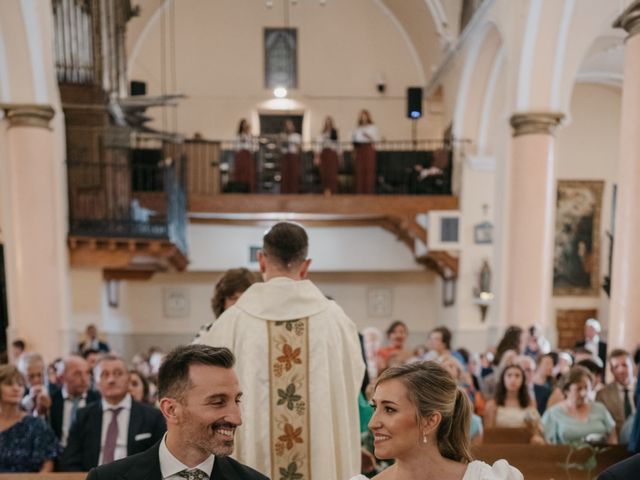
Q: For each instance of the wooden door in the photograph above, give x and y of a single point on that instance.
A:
(570, 326)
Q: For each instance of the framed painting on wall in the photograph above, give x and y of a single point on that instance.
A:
(576, 260)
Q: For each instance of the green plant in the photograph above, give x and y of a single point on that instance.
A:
(587, 465)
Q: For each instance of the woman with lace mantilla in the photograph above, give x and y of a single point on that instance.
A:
(421, 420)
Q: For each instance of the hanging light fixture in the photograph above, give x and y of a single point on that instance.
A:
(280, 92)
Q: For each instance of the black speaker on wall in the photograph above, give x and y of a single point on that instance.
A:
(414, 102)
(137, 88)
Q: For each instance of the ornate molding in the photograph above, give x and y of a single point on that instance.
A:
(629, 20)
(535, 123)
(28, 115)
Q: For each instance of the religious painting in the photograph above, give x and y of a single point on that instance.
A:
(576, 259)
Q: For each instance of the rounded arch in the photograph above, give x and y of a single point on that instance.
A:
(397, 24)
(551, 58)
(406, 38)
(483, 65)
(5, 95)
(27, 72)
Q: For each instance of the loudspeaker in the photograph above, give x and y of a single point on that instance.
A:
(414, 102)
(137, 88)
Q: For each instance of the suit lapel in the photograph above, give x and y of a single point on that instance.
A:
(222, 470)
(94, 436)
(135, 426)
(147, 467)
(614, 393)
(57, 412)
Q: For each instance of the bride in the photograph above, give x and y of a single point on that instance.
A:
(421, 420)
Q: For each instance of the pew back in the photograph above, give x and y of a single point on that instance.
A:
(545, 462)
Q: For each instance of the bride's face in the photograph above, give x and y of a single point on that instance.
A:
(394, 423)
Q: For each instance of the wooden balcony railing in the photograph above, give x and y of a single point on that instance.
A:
(402, 167)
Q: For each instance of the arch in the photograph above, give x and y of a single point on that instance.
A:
(560, 53)
(32, 25)
(5, 94)
(527, 55)
(439, 18)
(379, 3)
(143, 35)
(482, 65)
(558, 60)
(405, 36)
(485, 120)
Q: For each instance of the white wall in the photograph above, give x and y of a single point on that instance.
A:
(333, 249)
(140, 321)
(344, 46)
(587, 149)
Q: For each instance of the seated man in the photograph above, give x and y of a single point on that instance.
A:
(618, 396)
(92, 342)
(113, 428)
(199, 396)
(74, 394)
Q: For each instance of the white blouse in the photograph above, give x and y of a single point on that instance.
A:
(291, 143)
(366, 134)
(324, 141)
(477, 470)
(245, 141)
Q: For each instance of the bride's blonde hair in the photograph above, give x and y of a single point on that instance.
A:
(432, 389)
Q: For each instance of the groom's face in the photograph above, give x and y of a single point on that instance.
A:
(210, 412)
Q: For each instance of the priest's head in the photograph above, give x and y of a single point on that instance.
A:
(284, 252)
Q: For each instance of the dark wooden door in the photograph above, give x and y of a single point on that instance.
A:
(570, 326)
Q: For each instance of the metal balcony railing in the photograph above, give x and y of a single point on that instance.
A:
(105, 200)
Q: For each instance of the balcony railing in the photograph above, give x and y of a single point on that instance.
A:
(403, 167)
(105, 200)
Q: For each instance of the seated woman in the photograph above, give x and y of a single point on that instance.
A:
(577, 416)
(139, 388)
(512, 406)
(27, 443)
(465, 382)
(396, 352)
(421, 420)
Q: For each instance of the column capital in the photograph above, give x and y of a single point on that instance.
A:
(28, 114)
(630, 19)
(527, 123)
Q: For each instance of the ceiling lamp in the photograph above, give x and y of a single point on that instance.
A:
(280, 92)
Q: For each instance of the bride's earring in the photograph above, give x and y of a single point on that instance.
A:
(424, 437)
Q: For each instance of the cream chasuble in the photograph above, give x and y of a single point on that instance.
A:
(300, 367)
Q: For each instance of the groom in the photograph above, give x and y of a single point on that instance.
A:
(199, 398)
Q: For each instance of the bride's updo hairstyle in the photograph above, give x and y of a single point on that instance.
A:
(432, 389)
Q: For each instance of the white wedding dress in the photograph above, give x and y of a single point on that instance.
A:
(478, 470)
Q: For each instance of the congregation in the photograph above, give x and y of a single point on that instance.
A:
(298, 355)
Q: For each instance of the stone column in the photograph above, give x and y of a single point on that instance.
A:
(35, 257)
(624, 316)
(531, 215)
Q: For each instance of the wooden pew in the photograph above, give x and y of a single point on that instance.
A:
(502, 436)
(44, 476)
(546, 462)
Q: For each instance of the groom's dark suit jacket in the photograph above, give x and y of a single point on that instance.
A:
(146, 466)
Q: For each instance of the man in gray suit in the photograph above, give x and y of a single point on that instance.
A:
(618, 396)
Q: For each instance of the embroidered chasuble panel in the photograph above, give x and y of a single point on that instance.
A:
(289, 400)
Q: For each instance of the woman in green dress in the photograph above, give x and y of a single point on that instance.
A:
(578, 418)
